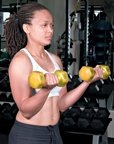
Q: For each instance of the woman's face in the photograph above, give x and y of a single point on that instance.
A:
(41, 29)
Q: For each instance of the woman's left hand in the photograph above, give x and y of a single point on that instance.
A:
(99, 73)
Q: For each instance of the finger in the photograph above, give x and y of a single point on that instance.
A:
(51, 79)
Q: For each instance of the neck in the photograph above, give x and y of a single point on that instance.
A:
(37, 52)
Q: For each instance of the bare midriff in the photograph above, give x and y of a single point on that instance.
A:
(48, 115)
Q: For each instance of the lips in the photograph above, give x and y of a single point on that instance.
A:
(49, 37)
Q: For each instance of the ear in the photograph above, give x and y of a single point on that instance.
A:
(26, 28)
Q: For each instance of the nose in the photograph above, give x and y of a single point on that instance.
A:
(50, 28)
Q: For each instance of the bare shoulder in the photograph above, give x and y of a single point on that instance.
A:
(20, 62)
(57, 59)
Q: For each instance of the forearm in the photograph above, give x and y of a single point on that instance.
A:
(72, 96)
(33, 104)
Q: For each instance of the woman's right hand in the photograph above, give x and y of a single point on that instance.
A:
(51, 80)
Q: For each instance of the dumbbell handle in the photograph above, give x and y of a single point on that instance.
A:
(37, 79)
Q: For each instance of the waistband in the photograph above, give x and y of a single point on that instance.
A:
(51, 130)
(34, 126)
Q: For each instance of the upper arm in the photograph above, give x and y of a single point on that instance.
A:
(19, 70)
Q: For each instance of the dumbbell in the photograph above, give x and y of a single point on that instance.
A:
(37, 79)
(68, 123)
(102, 113)
(83, 124)
(6, 111)
(95, 87)
(97, 125)
(86, 73)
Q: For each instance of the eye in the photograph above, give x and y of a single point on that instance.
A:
(52, 26)
(44, 25)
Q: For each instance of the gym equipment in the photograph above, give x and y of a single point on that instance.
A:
(83, 123)
(75, 81)
(93, 102)
(68, 123)
(10, 98)
(86, 73)
(102, 25)
(98, 125)
(4, 59)
(37, 79)
(88, 113)
(107, 89)
(4, 81)
(3, 97)
(82, 102)
(88, 120)
(102, 44)
(106, 71)
(62, 77)
(102, 113)
(95, 87)
(73, 112)
(6, 111)
(100, 121)
(7, 117)
(70, 117)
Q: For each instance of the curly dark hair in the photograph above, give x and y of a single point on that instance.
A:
(15, 36)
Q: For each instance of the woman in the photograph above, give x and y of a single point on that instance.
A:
(27, 33)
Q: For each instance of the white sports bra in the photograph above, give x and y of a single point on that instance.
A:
(36, 67)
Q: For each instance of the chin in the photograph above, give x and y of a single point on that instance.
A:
(47, 43)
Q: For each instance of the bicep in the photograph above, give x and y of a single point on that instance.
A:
(18, 76)
(63, 91)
